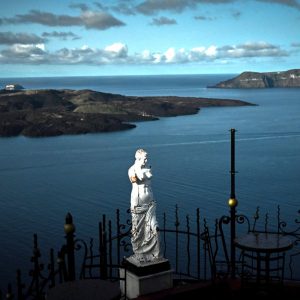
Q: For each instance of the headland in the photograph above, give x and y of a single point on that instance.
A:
(38, 113)
(255, 80)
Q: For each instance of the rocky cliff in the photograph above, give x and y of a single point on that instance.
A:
(286, 79)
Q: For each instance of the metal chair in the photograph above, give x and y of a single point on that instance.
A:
(216, 249)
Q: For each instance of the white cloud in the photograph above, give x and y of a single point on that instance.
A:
(170, 55)
(41, 46)
(118, 53)
(117, 49)
(211, 51)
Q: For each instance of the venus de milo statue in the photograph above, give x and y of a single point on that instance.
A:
(144, 233)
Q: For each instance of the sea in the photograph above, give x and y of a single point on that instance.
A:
(42, 179)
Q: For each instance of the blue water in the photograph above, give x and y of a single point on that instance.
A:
(41, 179)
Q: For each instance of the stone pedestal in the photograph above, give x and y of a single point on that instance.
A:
(145, 278)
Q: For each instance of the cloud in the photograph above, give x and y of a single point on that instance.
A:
(61, 35)
(44, 18)
(118, 54)
(117, 50)
(258, 49)
(204, 18)
(88, 19)
(10, 38)
(236, 14)
(81, 6)
(124, 8)
(290, 3)
(101, 6)
(25, 54)
(151, 7)
(163, 21)
(100, 20)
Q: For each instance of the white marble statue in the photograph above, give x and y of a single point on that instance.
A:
(144, 233)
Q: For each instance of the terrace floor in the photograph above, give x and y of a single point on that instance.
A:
(229, 289)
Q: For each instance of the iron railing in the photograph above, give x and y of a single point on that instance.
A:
(194, 249)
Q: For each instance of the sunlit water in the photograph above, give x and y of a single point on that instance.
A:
(41, 179)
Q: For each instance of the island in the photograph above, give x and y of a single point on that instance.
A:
(246, 80)
(38, 113)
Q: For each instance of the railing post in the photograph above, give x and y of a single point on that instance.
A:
(61, 266)
(177, 240)
(19, 286)
(198, 243)
(69, 229)
(36, 266)
(232, 202)
(9, 294)
(51, 268)
(103, 248)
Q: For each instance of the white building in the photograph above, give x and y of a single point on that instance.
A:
(13, 87)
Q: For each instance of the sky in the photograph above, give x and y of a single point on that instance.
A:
(40, 38)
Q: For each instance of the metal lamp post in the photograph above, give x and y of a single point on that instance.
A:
(232, 202)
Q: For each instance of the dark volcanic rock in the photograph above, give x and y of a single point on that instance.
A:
(247, 80)
(56, 112)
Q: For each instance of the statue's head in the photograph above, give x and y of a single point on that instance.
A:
(141, 157)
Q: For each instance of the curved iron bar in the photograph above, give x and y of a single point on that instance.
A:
(295, 233)
(125, 245)
(123, 232)
(78, 244)
(39, 282)
(224, 220)
(295, 243)
(255, 217)
(164, 233)
(242, 219)
(44, 283)
(124, 226)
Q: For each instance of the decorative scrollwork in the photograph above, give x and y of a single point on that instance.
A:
(125, 245)
(35, 287)
(224, 220)
(282, 227)
(124, 229)
(78, 245)
(243, 219)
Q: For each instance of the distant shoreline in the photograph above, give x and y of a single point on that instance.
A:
(254, 80)
(50, 112)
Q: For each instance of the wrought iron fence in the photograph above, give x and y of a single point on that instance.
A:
(179, 242)
(196, 250)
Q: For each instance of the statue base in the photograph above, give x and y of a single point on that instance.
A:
(143, 278)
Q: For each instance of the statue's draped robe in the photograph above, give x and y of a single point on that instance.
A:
(144, 235)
